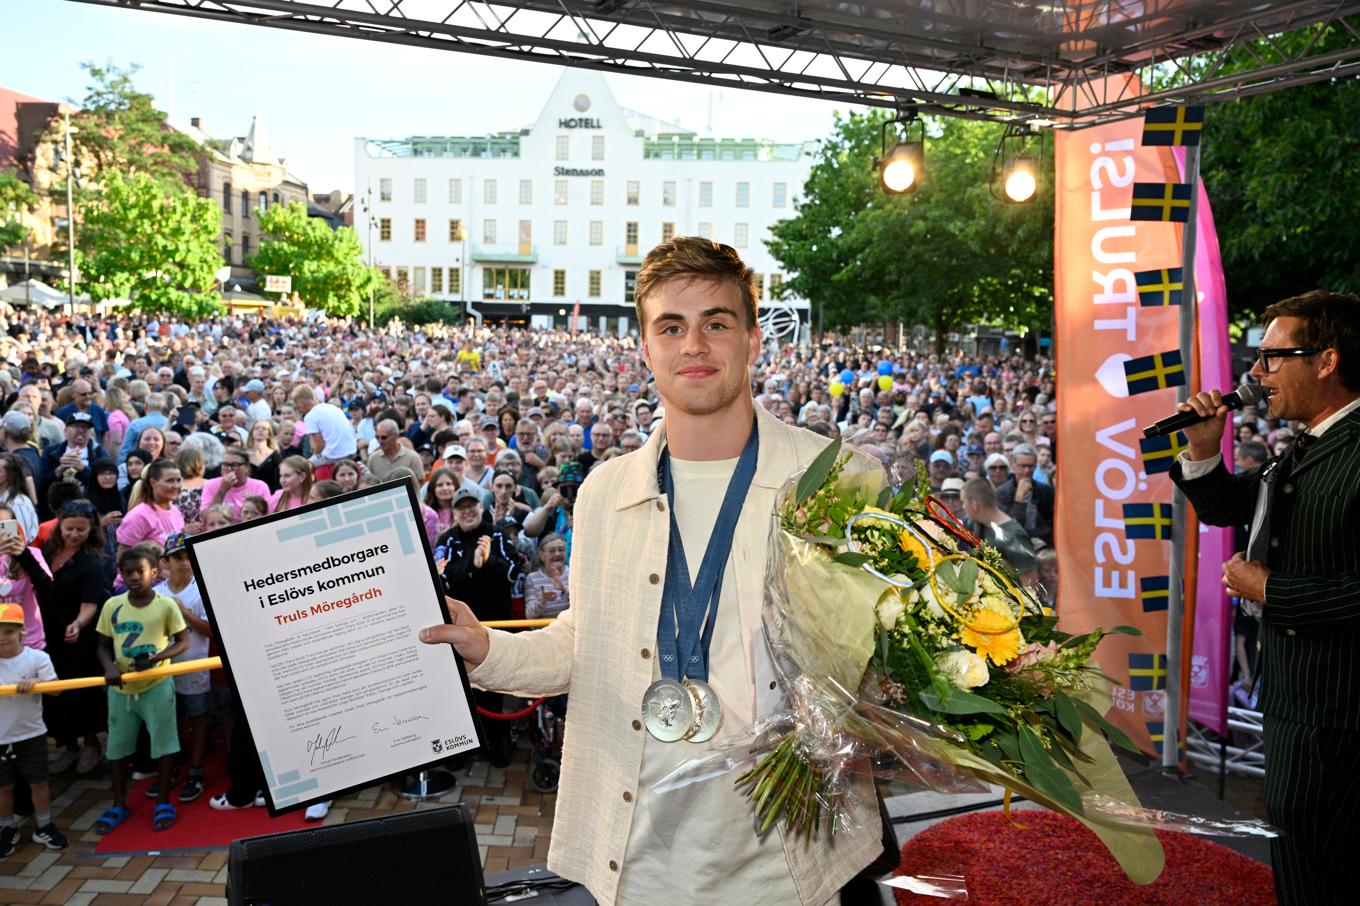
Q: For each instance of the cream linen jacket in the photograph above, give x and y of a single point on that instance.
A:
(601, 650)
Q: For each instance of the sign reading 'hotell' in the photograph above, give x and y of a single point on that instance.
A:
(578, 122)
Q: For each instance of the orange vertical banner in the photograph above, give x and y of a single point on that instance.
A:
(1100, 325)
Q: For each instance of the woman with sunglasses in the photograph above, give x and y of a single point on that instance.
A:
(69, 600)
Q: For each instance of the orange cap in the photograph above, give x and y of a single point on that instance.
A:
(11, 613)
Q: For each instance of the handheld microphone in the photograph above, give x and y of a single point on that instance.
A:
(1244, 395)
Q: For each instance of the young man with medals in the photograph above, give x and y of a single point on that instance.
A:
(662, 649)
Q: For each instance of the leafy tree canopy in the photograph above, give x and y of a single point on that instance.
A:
(15, 198)
(326, 265)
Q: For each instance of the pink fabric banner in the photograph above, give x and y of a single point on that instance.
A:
(1210, 659)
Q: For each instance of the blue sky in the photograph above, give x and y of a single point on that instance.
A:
(315, 93)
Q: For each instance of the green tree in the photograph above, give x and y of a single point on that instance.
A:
(326, 265)
(159, 250)
(946, 255)
(118, 129)
(15, 198)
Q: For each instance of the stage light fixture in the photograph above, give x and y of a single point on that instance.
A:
(1015, 167)
(902, 165)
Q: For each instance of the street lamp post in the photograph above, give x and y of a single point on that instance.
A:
(70, 220)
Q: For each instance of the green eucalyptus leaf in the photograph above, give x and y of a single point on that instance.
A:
(850, 558)
(817, 471)
(1094, 717)
(956, 701)
(1067, 715)
(1046, 776)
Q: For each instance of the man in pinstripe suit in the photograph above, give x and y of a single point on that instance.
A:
(1303, 563)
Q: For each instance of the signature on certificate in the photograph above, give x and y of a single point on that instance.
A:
(397, 721)
(321, 744)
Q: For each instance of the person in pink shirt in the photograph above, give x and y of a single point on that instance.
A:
(156, 517)
(235, 485)
(295, 484)
(15, 585)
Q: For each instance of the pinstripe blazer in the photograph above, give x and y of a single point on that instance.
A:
(1310, 645)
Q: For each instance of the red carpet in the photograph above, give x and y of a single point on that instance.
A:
(199, 825)
(1059, 861)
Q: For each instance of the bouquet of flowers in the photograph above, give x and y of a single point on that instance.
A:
(904, 640)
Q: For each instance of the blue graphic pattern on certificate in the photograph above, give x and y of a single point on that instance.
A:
(339, 524)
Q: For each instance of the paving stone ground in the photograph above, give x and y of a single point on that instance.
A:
(513, 824)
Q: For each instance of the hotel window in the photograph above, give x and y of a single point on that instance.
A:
(630, 233)
(593, 285)
(705, 194)
(488, 191)
(226, 198)
(705, 231)
(245, 248)
(403, 279)
(776, 281)
(384, 229)
(597, 191)
(509, 283)
(740, 234)
(245, 204)
(488, 231)
(668, 194)
(597, 147)
(420, 229)
(559, 191)
(597, 232)
(262, 202)
(629, 286)
(743, 194)
(419, 191)
(781, 194)
(384, 190)
(456, 230)
(563, 147)
(436, 279)
(418, 284)
(559, 232)
(385, 271)
(759, 282)
(456, 280)
(526, 232)
(633, 191)
(668, 231)
(455, 191)
(526, 191)
(559, 282)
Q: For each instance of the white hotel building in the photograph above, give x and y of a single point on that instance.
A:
(522, 226)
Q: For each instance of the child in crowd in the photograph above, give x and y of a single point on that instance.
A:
(138, 629)
(216, 517)
(191, 689)
(23, 735)
(253, 507)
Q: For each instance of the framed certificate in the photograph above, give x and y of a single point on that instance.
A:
(316, 612)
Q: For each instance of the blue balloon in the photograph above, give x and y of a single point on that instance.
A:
(885, 368)
(847, 376)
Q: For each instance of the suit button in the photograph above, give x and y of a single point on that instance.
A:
(1290, 632)
(1274, 542)
(627, 797)
(1289, 489)
(637, 725)
(646, 653)
(613, 866)
(661, 505)
(654, 579)
(774, 684)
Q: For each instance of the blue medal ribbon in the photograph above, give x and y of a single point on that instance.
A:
(682, 646)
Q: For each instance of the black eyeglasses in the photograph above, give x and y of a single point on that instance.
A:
(1263, 356)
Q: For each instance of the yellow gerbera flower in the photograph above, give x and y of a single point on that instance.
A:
(993, 635)
(910, 544)
(870, 522)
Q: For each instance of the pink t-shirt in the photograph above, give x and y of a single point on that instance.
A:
(235, 497)
(20, 591)
(277, 497)
(147, 522)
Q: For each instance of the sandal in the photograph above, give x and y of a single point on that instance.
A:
(111, 818)
(164, 817)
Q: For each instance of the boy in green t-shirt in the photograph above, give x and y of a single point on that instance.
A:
(137, 631)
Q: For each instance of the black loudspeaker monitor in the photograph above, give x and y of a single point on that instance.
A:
(417, 857)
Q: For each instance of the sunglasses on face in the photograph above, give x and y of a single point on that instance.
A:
(78, 509)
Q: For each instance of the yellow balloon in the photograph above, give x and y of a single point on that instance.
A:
(884, 382)
(837, 388)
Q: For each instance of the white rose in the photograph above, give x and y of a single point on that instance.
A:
(889, 608)
(932, 605)
(963, 669)
(911, 595)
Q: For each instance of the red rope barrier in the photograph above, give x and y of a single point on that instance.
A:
(516, 715)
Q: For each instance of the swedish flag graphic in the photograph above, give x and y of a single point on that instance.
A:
(1160, 287)
(1154, 372)
(1147, 521)
(1159, 453)
(1173, 125)
(1164, 201)
(1154, 592)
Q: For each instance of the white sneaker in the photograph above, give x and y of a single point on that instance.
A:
(222, 804)
(144, 775)
(90, 756)
(260, 801)
(62, 761)
(318, 811)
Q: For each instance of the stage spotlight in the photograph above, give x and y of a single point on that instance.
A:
(901, 167)
(1020, 183)
(1015, 167)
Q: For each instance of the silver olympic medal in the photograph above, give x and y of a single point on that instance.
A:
(709, 710)
(668, 710)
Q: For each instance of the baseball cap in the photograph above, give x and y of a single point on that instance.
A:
(465, 494)
(570, 473)
(16, 422)
(488, 422)
(455, 450)
(254, 385)
(506, 523)
(176, 543)
(530, 412)
(11, 614)
(942, 456)
(952, 486)
(976, 449)
(997, 459)
(84, 419)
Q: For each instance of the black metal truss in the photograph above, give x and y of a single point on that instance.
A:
(1042, 61)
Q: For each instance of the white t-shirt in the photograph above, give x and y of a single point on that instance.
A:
(258, 410)
(705, 832)
(334, 428)
(190, 683)
(21, 716)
